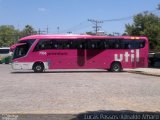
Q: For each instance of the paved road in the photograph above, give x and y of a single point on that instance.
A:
(76, 91)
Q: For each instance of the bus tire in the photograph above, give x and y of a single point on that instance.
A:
(6, 62)
(116, 67)
(38, 67)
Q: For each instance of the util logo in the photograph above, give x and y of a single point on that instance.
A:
(128, 56)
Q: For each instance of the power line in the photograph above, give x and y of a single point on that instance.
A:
(127, 18)
(73, 27)
(118, 19)
(96, 24)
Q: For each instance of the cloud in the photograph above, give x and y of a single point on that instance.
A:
(41, 9)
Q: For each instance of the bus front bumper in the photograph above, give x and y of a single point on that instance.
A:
(21, 66)
(25, 65)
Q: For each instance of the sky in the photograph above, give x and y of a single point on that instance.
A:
(63, 16)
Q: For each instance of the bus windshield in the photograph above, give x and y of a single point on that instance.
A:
(20, 51)
(22, 48)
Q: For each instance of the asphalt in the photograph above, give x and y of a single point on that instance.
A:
(73, 94)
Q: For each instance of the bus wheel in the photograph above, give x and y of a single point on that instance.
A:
(38, 67)
(6, 62)
(116, 67)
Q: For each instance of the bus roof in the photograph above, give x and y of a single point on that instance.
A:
(4, 47)
(74, 36)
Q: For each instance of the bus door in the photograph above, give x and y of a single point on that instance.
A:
(95, 55)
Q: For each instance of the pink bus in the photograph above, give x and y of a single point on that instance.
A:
(43, 52)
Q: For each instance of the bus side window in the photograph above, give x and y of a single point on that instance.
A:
(38, 46)
(142, 44)
(133, 44)
(99, 44)
(66, 44)
(106, 44)
(114, 44)
(54, 44)
(118, 44)
(71, 44)
(75, 44)
(102, 44)
(42, 46)
(79, 44)
(91, 44)
(138, 44)
(47, 44)
(60, 44)
(110, 43)
(126, 44)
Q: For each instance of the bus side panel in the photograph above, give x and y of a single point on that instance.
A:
(86, 59)
(96, 59)
(133, 58)
(63, 59)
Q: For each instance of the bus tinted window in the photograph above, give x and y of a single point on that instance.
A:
(4, 51)
(29, 42)
(90, 44)
(79, 44)
(97, 44)
(114, 43)
(60, 44)
(125, 44)
(133, 44)
(21, 51)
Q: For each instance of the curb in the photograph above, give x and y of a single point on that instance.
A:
(143, 73)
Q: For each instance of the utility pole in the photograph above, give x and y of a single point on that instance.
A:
(47, 29)
(116, 34)
(96, 24)
(58, 29)
(40, 31)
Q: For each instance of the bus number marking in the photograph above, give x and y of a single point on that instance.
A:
(58, 53)
(42, 53)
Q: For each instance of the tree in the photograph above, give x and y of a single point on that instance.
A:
(8, 35)
(28, 30)
(158, 8)
(146, 24)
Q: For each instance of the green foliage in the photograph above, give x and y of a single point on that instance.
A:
(9, 35)
(6, 60)
(146, 24)
(28, 30)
